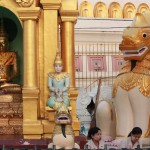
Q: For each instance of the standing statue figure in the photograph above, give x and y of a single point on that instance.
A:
(58, 83)
(8, 60)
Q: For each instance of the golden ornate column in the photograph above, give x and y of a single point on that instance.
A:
(68, 18)
(50, 46)
(32, 127)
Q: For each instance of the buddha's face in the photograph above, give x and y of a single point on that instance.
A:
(58, 68)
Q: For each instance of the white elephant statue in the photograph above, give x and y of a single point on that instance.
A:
(130, 105)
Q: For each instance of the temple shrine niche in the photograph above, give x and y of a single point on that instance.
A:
(115, 10)
(11, 115)
(31, 55)
(129, 10)
(100, 10)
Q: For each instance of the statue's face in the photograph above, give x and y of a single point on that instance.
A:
(58, 68)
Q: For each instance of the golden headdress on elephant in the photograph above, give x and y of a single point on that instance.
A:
(136, 51)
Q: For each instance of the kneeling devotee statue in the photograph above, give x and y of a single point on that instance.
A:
(58, 83)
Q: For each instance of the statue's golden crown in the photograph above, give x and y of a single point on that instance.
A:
(58, 59)
(141, 20)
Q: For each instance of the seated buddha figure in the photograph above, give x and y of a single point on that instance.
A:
(58, 84)
(8, 60)
(10, 93)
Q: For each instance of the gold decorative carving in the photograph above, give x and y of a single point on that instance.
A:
(58, 77)
(100, 10)
(130, 80)
(25, 3)
(50, 4)
(70, 16)
(140, 77)
(115, 10)
(6, 98)
(15, 121)
(86, 9)
(143, 8)
(129, 10)
(11, 126)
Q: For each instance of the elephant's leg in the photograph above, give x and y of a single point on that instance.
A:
(124, 114)
(141, 109)
(105, 119)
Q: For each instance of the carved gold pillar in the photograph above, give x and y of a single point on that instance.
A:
(67, 45)
(32, 127)
(68, 19)
(50, 45)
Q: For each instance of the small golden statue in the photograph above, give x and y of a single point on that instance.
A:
(58, 83)
(8, 60)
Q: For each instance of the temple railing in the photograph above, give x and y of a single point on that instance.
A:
(97, 60)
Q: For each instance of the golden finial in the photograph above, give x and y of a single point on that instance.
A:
(58, 59)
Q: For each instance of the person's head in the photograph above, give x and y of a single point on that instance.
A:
(94, 133)
(135, 134)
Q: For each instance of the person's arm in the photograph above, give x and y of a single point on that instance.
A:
(67, 85)
(50, 85)
(141, 143)
(123, 144)
(87, 146)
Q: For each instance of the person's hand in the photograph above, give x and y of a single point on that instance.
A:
(60, 91)
(56, 91)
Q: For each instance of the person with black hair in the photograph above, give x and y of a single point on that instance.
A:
(94, 139)
(133, 139)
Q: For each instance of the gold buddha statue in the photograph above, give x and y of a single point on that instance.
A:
(8, 60)
(10, 93)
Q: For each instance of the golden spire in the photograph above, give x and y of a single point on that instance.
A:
(58, 59)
